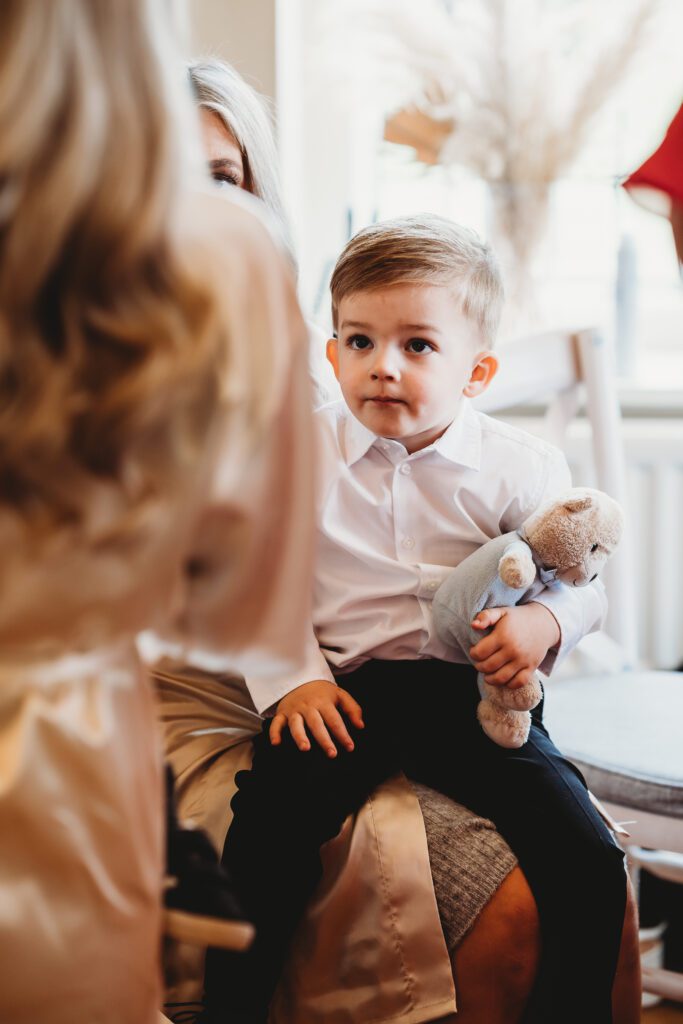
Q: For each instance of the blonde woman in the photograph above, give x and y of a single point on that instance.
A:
(237, 135)
(153, 445)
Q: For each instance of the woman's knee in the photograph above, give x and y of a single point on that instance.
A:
(495, 964)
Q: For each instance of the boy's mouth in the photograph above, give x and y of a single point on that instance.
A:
(385, 400)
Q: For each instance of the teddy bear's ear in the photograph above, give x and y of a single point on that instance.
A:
(578, 504)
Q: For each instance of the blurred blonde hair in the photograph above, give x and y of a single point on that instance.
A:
(218, 87)
(425, 249)
(111, 345)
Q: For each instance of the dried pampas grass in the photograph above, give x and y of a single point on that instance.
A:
(504, 88)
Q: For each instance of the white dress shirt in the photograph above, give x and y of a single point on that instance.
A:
(392, 525)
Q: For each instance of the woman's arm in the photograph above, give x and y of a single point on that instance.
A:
(244, 602)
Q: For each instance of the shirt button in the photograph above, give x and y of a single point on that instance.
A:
(385, 447)
(432, 585)
(405, 469)
(408, 543)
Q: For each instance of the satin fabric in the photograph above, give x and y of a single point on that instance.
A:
(79, 903)
(81, 800)
(371, 946)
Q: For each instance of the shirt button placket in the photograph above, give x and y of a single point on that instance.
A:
(405, 542)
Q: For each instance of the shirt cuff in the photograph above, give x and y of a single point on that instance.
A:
(578, 611)
(266, 689)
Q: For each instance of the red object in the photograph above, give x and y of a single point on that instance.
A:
(658, 183)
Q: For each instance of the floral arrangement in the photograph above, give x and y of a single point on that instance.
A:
(504, 88)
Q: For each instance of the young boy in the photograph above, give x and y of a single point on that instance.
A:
(411, 481)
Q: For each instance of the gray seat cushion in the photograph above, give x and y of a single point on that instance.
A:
(624, 731)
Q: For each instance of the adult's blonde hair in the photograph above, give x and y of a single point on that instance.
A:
(109, 341)
(426, 249)
(218, 87)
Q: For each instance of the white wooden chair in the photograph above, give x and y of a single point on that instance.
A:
(618, 722)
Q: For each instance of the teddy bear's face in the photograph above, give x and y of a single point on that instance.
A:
(576, 535)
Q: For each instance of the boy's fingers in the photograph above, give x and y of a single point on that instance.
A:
(275, 731)
(352, 708)
(493, 663)
(298, 731)
(521, 679)
(335, 722)
(503, 675)
(488, 617)
(485, 648)
(315, 723)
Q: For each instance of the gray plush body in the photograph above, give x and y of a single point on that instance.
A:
(563, 544)
(473, 585)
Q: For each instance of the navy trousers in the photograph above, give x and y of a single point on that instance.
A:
(420, 718)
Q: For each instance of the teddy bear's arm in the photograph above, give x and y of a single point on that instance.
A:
(516, 568)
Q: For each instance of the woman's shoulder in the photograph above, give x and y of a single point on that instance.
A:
(231, 228)
(229, 245)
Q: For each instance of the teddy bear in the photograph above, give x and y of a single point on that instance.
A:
(564, 543)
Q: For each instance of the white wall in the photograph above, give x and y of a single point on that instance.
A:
(240, 31)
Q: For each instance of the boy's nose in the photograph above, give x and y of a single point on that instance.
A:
(385, 369)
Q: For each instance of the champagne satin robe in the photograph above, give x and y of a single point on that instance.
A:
(226, 563)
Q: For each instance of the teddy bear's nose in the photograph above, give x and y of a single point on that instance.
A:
(594, 577)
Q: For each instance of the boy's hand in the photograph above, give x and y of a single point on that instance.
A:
(314, 706)
(519, 641)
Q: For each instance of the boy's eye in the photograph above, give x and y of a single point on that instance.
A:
(359, 342)
(419, 345)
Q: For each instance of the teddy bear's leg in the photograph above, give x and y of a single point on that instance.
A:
(523, 698)
(505, 727)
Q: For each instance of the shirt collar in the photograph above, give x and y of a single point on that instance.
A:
(358, 440)
(460, 443)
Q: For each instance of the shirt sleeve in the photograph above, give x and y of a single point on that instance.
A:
(577, 610)
(266, 688)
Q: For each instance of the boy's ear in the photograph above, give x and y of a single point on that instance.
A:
(332, 353)
(484, 370)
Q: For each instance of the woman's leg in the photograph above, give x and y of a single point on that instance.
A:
(495, 964)
(539, 803)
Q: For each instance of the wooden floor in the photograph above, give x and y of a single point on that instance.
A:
(665, 1013)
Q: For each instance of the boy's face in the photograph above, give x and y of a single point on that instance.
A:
(404, 357)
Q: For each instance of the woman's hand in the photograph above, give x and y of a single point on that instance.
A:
(313, 706)
(519, 641)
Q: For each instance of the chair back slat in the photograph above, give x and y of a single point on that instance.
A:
(557, 371)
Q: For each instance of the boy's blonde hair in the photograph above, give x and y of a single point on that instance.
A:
(423, 250)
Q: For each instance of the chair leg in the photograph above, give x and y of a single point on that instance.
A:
(667, 984)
